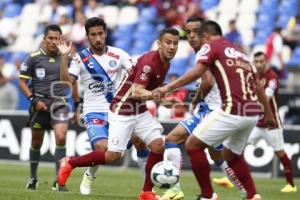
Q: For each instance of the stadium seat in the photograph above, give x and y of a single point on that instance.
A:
(178, 66)
(245, 21)
(23, 43)
(124, 44)
(224, 19)
(247, 6)
(247, 36)
(128, 15)
(110, 15)
(124, 31)
(12, 10)
(227, 6)
(208, 4)
(212, 14)
(148, 14)
(294, 61)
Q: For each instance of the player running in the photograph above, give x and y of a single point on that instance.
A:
(231, 125)
(100, 67)
(208, 98)
(128, 113)
(269, 80)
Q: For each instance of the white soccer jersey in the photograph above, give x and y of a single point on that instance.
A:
(113, 62)
(213, 98)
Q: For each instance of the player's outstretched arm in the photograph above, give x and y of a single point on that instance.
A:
(196, 72)
(140, 93)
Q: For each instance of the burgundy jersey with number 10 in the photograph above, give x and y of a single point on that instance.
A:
(234, 75)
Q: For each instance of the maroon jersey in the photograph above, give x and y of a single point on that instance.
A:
(150, 72)
(271, 84)
(234, 76)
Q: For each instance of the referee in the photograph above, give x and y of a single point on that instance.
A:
(48, 107)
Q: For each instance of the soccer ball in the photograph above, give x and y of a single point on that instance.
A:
(164, 174)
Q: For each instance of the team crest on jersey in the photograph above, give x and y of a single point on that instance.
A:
(112, 63)
(204, 50)
(24, 67)
(143, 77)
(147, 69)
(40, 73)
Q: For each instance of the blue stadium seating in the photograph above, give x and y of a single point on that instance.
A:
(148, 14)
(12, 10)
(295, 59)
(208, 4)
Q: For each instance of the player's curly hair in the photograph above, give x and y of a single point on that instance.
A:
(94, 21)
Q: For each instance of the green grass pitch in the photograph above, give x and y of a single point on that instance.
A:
(114, 184)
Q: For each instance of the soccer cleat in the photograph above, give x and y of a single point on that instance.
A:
(255, 197)
(214, 197)
(288, 188)
(86, 183)
(57, 187)
(148, 196)
(32, 184)
(173, 193)
(225, 182)
(64, 172)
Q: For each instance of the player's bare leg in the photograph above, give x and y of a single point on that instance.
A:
(172, 153)
(37, 137)
(60, 132)
(157, 148)
(285, 161)
(90, 174)
(142, 152)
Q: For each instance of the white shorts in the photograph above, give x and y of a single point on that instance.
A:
(274, 137)
(121, 128)
(231, 130)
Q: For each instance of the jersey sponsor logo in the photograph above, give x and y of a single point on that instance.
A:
(111, 54)
(233, 53)
(51, 60)
(101, 87)
(143, 77)
(40, 73)
(203, 51)
(91, 65)
(112, 63)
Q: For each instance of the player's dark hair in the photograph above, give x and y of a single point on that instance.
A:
(52, 27)
(94, 21)
(259, 53)
(195, 18)
(210, 27)
(172, 31)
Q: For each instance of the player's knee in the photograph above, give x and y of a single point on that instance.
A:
(100, 145)
(139, 145)
(111, 157)
(280, 153)
(157, 146)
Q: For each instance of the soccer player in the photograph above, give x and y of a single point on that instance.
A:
(48, 106)
(128, 113)
(274, 137)
(231, 125)
(208, 98)
(100, 67)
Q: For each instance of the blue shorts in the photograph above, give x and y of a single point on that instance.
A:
(96, 126)
(191, 123)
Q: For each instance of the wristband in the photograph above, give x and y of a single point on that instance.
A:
(30, 98)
